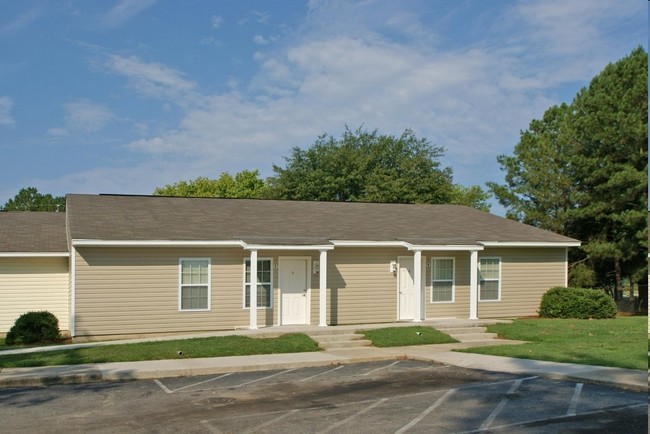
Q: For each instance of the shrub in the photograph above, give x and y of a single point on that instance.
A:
(32, 328)
(577, 303)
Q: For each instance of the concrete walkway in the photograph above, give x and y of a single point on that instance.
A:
(21, 377)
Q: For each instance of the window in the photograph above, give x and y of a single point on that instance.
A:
(490, 279)
(194, 284)
(264, 283)
(442, 280)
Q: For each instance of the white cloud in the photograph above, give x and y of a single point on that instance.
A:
(87, 117)
(578, 27)
(82, 116)
(153, 79)
(6, 105)
(22, 21)
(124, 10)
(472, 98)
(216, 21)
(260, 40)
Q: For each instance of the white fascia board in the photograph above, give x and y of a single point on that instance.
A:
(287, 247)
(409, 246)
(350, 243)
(447, 248)
(34, 254)
(530, 243)
(154, 243)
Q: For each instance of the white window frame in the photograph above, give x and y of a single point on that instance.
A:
(481, 279)
(181, 285)
(244, 284)
(453, 280)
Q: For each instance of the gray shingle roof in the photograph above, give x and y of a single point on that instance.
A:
(32, 232)
(147, 218)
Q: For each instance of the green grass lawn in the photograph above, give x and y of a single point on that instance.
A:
(402, 336)
(191, 348)
(619, 342)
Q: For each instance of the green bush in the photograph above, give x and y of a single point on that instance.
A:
(579, 303)
(32, 328)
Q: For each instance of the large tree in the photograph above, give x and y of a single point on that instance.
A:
(29, 199)
(244, 185)
(369, 167)
(582, 170)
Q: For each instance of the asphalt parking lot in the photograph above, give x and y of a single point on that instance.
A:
(380, 397)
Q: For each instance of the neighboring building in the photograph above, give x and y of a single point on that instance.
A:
(33, 266)
(138, 265)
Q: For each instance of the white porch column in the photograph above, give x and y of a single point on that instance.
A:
(322, 274)
(417, 284)
(473, 284)
(253, 291)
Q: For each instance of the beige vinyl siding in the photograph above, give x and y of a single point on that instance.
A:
(122, 291)
(361, 287)
(136, 291)
(526, 274)
(460, 307)
(33, 284)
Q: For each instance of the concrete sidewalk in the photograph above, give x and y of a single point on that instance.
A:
(21, 377)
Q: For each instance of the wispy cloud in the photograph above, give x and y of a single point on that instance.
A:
(153, 79)
(472, 96)
(124, 10)
(216, 21)
(22, 21)
(83, 117)
(6, 105)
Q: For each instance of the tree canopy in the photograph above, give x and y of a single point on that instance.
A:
(29, 199)
(365, 166)
(246, 184)
(582, 170)
(362, 166)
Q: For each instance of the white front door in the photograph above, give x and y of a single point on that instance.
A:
(406, 288)
(294, 287)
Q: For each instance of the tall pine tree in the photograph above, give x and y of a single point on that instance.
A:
(582, 170)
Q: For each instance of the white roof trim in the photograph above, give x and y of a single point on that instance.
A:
(407, 245)
(351, 243)
(155, 243)
(34, 254)
(530, 243)
(334, 243)
(446, 248)
(288, 247)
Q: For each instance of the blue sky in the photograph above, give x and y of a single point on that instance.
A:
(127, 95)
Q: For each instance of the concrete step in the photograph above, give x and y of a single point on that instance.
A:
(338, 337)
(340, 340)
(473, 337)
(344, 344)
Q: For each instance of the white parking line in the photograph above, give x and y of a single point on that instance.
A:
(499, 408)
(168, 390)
(383, 367)
(323, 373)
(571, 411)
(163, 387)
(422, 415)
(203, 382)
(557, 418)
(264, 378)
(354, 416)
(271, 422)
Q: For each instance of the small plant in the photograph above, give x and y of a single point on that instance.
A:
(579, 303)
(32, 328)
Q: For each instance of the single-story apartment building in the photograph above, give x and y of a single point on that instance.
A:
(115, 265)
